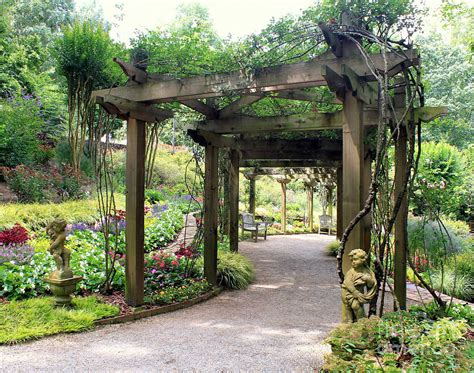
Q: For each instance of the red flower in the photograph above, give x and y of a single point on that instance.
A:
(174, 262)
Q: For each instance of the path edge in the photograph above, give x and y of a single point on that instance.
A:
(140, 314)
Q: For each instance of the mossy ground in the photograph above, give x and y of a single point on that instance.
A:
(36, 318)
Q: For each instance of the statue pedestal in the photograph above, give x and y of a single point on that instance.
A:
(62, 289)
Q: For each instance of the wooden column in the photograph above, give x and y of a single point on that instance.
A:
(210, 214)
(252, 195)
(339, 205)
(401, 239)
(310, 205)
(329, 198)
(135, 201)
(234, 200)
(352, 172)
(283, 183)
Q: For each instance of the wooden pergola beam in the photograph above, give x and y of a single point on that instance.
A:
(208, 111)
(290, 163)
(130, 109)
(238, 105)
(269, 79)
(300, 95)
(285, 123)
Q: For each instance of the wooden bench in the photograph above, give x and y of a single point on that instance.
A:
(325, 222)
(249, 224)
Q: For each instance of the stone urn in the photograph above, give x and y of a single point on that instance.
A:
(62, 281)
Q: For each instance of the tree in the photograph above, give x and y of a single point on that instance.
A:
(84, 57)
(439, 184)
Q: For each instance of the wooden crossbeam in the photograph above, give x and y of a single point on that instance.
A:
(134, 73)
(238, 105)
(332, 40)
(360, 88)
(269, 79)
(300, 95)
(202, 108)
(285, 123)
(129, 109)
(290, 163)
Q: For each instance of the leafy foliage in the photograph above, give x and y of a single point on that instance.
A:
(440, 179)
(401, 341)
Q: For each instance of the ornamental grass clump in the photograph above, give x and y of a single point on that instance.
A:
(38, 317)
(234, 271)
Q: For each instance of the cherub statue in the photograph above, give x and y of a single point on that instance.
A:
(354, 296)
(61, 254)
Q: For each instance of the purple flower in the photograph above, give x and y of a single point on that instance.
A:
(18, 253)
(187, 197)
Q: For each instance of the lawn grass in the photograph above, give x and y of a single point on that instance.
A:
(37, 317)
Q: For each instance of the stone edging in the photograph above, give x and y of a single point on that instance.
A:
(158, 310)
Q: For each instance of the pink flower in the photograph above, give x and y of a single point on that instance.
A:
(162, 265)
(174, 262)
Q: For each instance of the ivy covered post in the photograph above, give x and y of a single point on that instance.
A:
(339, 203)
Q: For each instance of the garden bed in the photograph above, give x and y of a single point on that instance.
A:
(128, 313)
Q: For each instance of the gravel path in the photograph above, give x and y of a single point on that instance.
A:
(277, 325)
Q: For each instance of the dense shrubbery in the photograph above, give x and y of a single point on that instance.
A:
(443, 254)
(418, 340)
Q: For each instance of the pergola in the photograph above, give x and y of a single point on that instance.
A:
(348, 74)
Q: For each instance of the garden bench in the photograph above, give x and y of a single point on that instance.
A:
(249, 224)
(325, 222)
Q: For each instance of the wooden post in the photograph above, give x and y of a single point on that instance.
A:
(353, 161)
(339, 206)
(330, 196)
(283, 183)
(252, 195)
(367, 219)
(135, 201)
(401, 240)
(310, 206)
(234, 200)
(210, 214)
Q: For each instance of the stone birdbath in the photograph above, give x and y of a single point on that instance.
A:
(62, 281)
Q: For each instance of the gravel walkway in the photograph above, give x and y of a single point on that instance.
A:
(277, 325)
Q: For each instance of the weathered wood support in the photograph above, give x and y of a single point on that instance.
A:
(340, 204)
(401, 239)
(330, 190)
(135, 202)
(283, 182)
(210, 213)
(310, 205)
(252, 189)
(234, 200)
(352, 172)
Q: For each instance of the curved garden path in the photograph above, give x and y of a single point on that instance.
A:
(278, 324)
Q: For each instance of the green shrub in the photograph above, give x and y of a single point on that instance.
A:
(154, 196)
(427, 237)
(29, 185)
(333, 247)
(455, 311)
(20, 123)
(463, 264)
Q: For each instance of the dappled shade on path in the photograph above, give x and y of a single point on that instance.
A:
(278, 323)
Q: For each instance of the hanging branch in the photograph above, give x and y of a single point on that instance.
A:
(153, 133)
(102, 159)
